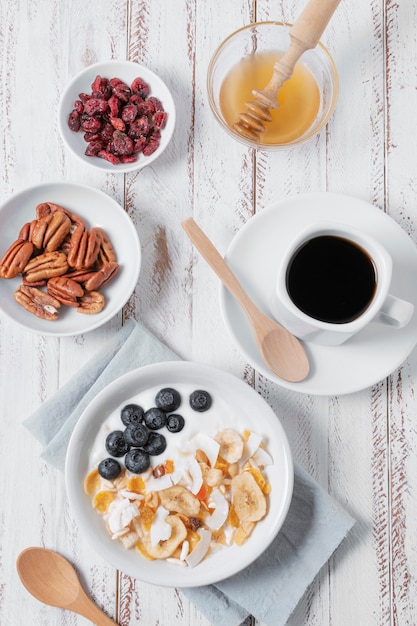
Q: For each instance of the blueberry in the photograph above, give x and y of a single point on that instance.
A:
(156, 444)
(116, 444)
(175, 423)
(137, 461)
(155, 418)
(131, 414)
(136, 435)
(109, 468)
(168, 399)
(200, 400)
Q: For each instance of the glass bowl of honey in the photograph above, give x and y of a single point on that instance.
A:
(245, 62)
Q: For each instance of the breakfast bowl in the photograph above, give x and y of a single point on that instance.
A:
(244, 62)
(224, 420)
(117, 116)
(96, 210)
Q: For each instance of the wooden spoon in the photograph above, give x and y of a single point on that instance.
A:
(52, 580)
(304, 35)
(282, 352)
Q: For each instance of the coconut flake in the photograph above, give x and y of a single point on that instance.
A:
(221, 510)
(120, 514)
(160, 530)
(157, 484)
(262, 457)
(196, 475)
(200, 549)
(251, 446)
(184, 549)
(208, 445)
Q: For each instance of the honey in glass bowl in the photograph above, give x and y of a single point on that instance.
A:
(245, 60)
(298, 98)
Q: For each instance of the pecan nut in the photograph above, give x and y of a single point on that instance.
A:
(65, 290)
(48, 208)
(37, 302)
(102, 277)
(91, 302)
(15, 258)
(27, 230)
(106, 253)
(50, 231)
(46, 265)
(84, 248)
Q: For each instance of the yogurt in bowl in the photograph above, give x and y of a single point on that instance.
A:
(211, 500)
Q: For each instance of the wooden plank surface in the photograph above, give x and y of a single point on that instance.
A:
(361, 447)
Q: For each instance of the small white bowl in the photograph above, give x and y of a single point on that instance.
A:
(127, 71)
(97, 209)
(235, 404)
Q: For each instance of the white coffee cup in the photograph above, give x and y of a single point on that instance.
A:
(328, 269)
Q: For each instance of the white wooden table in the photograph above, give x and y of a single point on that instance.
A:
(361, 447)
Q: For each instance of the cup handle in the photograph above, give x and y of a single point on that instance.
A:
(395, 312)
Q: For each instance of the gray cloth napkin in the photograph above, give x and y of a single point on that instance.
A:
(272, 586)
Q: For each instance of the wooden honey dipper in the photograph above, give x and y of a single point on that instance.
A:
(304, 35)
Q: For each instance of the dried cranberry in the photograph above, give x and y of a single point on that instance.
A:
(140, 87)
(94, 148)
(101, 87)
(79, 106)
(129, 113)
(118, 123)
(139, 126)
(146, 108)
(95, 105)
(135, 99)
(116, 81)
(106, 132)
(150, 147)
(122, 144)
(157, 103)
(90, 124)
(84, 97)
(91, 136)
(159, 119)
(140, 143)
(108, 156)
(122, 91)
(128, 158)
(114, 105)
(74, 121)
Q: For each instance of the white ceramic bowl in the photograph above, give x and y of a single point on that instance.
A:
(126, 71)
(97, 209)
(229, 393)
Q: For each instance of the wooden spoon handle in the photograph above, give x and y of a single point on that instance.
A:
(213, 257)
(84, 606)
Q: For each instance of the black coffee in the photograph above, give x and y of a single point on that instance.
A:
(331, 279)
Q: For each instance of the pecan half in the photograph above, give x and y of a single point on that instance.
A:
(46, 265)
(15, 258)
(50, 231)
(102, 277)
(27, 230)
(84, 248)
(65, 290)
(37, 302)
(106, 253)
(47, 208)
(91, 302)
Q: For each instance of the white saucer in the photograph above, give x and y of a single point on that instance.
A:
(254, 255)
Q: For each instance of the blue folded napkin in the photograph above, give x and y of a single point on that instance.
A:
(272, 586)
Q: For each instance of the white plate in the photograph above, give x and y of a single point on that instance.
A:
(254, 255)
(228, 393)
(97, 209)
